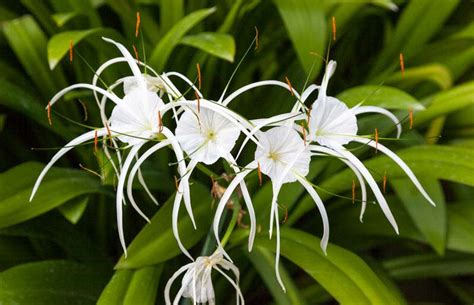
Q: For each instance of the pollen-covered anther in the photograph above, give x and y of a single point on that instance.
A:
(198, 101)
(384, 182)
(96, 142)
(353, 191)
(402, 64)
(109, 134)
(176, 183)
(198, 68)
(71, 53)
(289, 85)
(137, 25)
(308, 114)
(333, 28)
(256, 38)
(303, 131)
(49, 114)
(259, 171)
(410, 116)
(285, 218)
(160, 122)
(136, 52)
(376, 139)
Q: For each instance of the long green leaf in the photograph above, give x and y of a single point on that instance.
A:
(59, 186)
(342, 273)
(163, 50)
(219, 45)
(306, 25)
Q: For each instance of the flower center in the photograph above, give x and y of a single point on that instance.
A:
(273, 156)
(211, 135)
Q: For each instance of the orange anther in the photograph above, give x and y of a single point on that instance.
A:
(289, 85)
(308, 113)
(353, 191)
(303, 131)
(410, 116)
(384, 183)
(49, 114)
(333, 28)
(160, 122)
(259, 171)
(96, 142)
(376, 139)
(108, 132)
(285, 219)
(402, 64)
(176, 183)
(256, 38)
(136, 52)
(198, 67)
(137, 25)
(198, 101)
(71, 53)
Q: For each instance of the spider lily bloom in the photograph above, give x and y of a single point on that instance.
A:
(332, 125)
(284, 158)
(197, 282)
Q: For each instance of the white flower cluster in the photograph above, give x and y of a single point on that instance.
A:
(207, 131)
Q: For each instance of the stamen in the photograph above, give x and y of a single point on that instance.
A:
(333, 28)
(137, 26)
(256, 38)
(90, 170)
(198, 101)
(308, 113)
(176, 183)
(160, 122)
(376, 139)
(198, 67)
(49, 114)
(402, 64)
(285, 219)
(109, 133)
(71, 53)
(353, 191)
(289, 85)
(304, 133)
(259, 171)
(318, 55)
(136, 52)
(85, 110)
(96, 142)
(410, 115)
(384, 183)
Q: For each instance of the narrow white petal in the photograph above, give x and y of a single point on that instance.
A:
(171, 281)
(142, 181)
(277, 252)
(234, 284)
(322, 211)
(374, 109)
(255, 85)
(402, 165)
(120, 190)
(373, 185)
(77, 141)
(190, 83)
(109, 95)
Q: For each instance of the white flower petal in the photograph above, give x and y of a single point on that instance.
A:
(374, 109)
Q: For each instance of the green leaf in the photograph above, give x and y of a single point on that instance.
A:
(58, 187)
(342, 273)
(62, 18)
(264, 262)
(74, 209)
(382, 96)
(129, 287)
(429, 265)
(59, 44)
(461, 226)
(163, 50)
(431, 221)
(28, 42)
(52, 282)
(171, 11)
(306, 26)
(446, 102)
(156, 243)
(419, 21)
(219, 45)
(435, 73)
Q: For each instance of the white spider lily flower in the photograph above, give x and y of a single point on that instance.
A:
(284, 158)
(332, 124)
(196, 283)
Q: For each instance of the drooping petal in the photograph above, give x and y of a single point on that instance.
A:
(234, 284)
(330, 69)
(77, 141)
(322, 211)
(120, 191)
(277, 251)
(171, 281)
(110, 95)
(375, 109)
(373, 185)
(402, 165)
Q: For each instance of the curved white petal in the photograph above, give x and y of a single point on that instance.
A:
(77, 141)
(109, 95)
(190, 83)
(373, 185)
(322, 211)
(171, 281)
(304, 96)
(142, 181)
(277, 252)
(234, 284)
(402, 165)
(120, 190)
(374, 109)
(330, 69)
